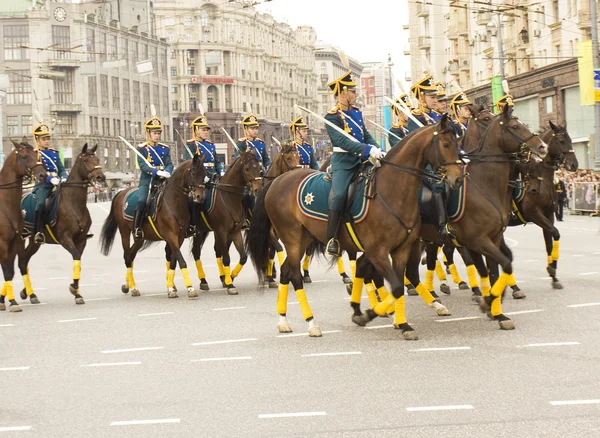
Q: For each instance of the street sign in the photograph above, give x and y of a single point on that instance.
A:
(194, 79)
(597, 84)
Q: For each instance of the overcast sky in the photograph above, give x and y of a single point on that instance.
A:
(366, 30)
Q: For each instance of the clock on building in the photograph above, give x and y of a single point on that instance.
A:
(60, 14)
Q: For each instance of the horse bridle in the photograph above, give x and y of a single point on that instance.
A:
(287, 165)
(88, 182)
(561, 160)
(28, 171)
(247, 181)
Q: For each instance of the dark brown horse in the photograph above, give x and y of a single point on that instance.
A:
(171, 224)
(226, 217)
(20, 164)
(73, 220)
(389, 228)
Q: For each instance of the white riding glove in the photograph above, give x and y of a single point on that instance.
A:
(163, 174)
(376, 153)
(63, 179)
(54, 181)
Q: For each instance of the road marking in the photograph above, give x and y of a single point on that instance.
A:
(574, 402)
(520, 312)
(294, 414)
(229, 308)
(58, 278)
(226, 341)
(597, 253)
(377, 327)
(340, 353)
(587, 273)
(154, 295)
(14, 428)
(105, 210)
(215, 359)
(294, 335)
(111, 364)
(576, 255)
(126, 350)
(549, 344)
(439, 408)
(466, 318)
(138, 422)
(29, 304)
(76, 320)
(441, 349)
(320, 281)
(6, 325)
(156, 314)
(573, 305)
(14, 368)
(97, 299)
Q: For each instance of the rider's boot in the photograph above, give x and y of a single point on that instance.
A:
(333, 224)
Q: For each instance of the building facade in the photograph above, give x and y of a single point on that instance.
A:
(376, 82)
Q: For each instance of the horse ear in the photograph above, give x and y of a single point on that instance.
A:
(93, 150)
(506, 112)
(24, 140)
(552, 125)
(15, 143)
(84, 149)
(444, 121)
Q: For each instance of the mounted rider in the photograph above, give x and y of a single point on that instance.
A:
(441, 104)
(251, 142)
(159, 156)
(460, 113)
(50, 159)
(299, 133)
(425, 91)
(348, 156)
(399, 128)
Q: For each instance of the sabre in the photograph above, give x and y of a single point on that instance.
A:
(277, 141)
(381, 127)
(136, 151)
(184, 143)
(405, 110)
(328, 123)
(230, 139)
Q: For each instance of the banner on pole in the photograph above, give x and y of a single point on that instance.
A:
(586, 73)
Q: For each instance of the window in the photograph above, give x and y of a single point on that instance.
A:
(101, 46)
(174, 89)
(61, 39)
(90, 44)
(172, 54)
(136, 96)
(66, 125)
(134, 53)
(19, 92)
(26, 125)
(63, 90)
(155, 97)
(257, 92)
(12, 123)
(14, 38)
(117, 127)
(126, 95)
(173, 71)
(146, 99)
(548, 104)
(154, 58)
(144, 54)
(204, 18)
(212, 98)
(125, 54)
(191, 70)
(104, 91)
(111, 47)
(175, 105)
(163, 63)
(116, 96)
(164, 101)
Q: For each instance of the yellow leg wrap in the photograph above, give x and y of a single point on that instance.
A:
(220, 266)
(444, 258)
(406, 281)
(439, 270)
(171, 278)
(27, 283)
(9, 292)
(400, 315)
(306, 312)
(4, 290)
(353, 268)
(485, 286)
(511, 280)
(282, 296)
(76, 269)
(387, 304)
(186, 277)
(270, 267)
(357, 286)
(280, 257)
(383, 292)
(425, 294)
(236, 271)
(550, 259)
(429, 280)
(200, 269)
(472, 273)
(340, 265)
(496, 308)
(228, 279)
(371, 294)
(305, 263)
(129, 278)
(555, 250)
(454, 273)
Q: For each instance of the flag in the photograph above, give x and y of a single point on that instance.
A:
(586, 73)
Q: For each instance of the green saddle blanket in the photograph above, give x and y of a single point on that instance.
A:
(131, 200)
(456, 202)
(28, 202)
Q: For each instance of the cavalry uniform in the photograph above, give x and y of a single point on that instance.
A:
(399, 128)
(561, 195)
(459, 123)
(197, 146)
(305, 150)
(348, 155)
(159, 157)
(50, 159)
(255, 145)
(424, 114)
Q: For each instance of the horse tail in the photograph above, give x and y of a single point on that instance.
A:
(316, 248)
(258, 237)
(109, 230)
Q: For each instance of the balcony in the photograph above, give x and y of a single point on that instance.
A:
(66, 107)
(65, 63)
(452, 32)
(463, 28)
(555, 28)
(406, 50)
(509, 46)
(483, 18)
(424, 43)
(422, 10)
(585, 21)
(465, 66)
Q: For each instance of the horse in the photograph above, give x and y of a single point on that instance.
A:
(226, 217)
(73, 221)
(389, 228)
(171, 223)
(21, 163)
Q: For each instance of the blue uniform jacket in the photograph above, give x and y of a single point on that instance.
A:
(425, 117)
(307, 155)
(207, 148)
(459, 127)
(257, 146)
(159, 157)
(50, 159)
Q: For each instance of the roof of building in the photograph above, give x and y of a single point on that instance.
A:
(16, 7)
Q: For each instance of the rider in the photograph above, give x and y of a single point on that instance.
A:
(441, 104)
(399, 128)
(348, 155)
(251, 142)
(51, 161)
(460, 113)
(507, 99)
(299, 132)
(159, 157)
(425, 92)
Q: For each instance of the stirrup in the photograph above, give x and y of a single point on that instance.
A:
(39, 238)
(138, 233)
(447, 231)
(192, 230)
(333, 247)
(246, 224)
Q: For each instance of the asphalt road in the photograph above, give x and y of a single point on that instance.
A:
(216, 366)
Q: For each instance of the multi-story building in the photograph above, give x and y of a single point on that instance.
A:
(76, 65)
(376, 82)
(232, 60)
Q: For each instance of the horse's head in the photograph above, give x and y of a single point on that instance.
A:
(196, 177)
(290, 156)
(87, 166)
(444, 156)
(252, 170)
(560, 147)
(515, 137)
(28, 164)
(478, 124)
(532, 176)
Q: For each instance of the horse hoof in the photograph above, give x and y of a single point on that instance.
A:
(125, 288)
(2, 306)
(506, 324)
(551, 271)
(557, 285)
(15, 308)
(192, 293)
(73, 290)
(175, 288)
(79, 300)
(444, 288)
(349, 289)
(463, 286)
(441, 309)
(284, 328)
(273, 285)
(135, 293)
(410, 335)
(204, 286)
(34, 300)
(231, 290)
(172, 294)
(412, 292)
(424, 261)
(306, 279)
(23, 294)
(489, 315)
(315, 332)
(484, 306)
(385, 315)
(365, 318)
(518, 294)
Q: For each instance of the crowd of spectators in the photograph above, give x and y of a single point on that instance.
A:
(583, 189)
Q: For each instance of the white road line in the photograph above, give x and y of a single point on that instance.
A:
(320, 281)
(110, 364)
(587, 273)
(156, 314)
(340, 353)
(14, 368)
(549, 344)
(76, 320)
(29, 304)
(295, 335)
(229, 308)
(154, 295)
(573, 306)
(439, 408)
(441, 349)
(296, 302)
(520, 312)
(101, 207)
(377, 327)
(226, 341)
(97, 299)
(576, 255)
(294, 414)
(574, 402)
(127, 350)
(138, 422)
(14, 428)
(597, 253)
(215, 359)
(466, 318)
(58, 278)
(7, 325)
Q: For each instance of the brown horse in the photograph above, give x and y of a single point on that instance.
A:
(226, 217)
(171, 224)
(389, 228)
(73, 220)
(21, 163)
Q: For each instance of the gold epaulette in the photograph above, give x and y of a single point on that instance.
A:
(142, 145)
(258, 139)
(396, 125)
(164, 145)
(191, 140)
(333, 110)
(416, 112)
(242, 139)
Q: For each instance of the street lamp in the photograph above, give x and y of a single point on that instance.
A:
(390, 64)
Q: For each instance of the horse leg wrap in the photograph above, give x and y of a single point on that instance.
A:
(220, 265)
(4, 290)
(357, 287)
(429, 280)
(76, 270)
(439, 270)
(353, 268)
(280, 257)
(400, 315)
(270, 267)
(555, 250)
(340, 265)
(511, 280)
(236, 271)
(454, 273)
(406, 281)
(282, 296)
(550, 260)
(129, 278)
(305, 263)
(200, 269)
(371, 294)
(472, 274)
(8, 290)
(186, 277)
(306, 312)
(27, 283)
(485, 286)
(383, 307)
(171, 278)
(496, 292)
(383, 292)
(424, 293)
(228, 280)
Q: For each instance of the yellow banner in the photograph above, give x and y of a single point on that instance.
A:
(586, 73)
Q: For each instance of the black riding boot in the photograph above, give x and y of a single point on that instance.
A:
(194, 218)
(138, 233)
(38, 230)
(333, 224)
(444, 229)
